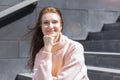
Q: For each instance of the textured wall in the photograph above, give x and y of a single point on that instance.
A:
(14, 48)
(80, 17)
(83, 16)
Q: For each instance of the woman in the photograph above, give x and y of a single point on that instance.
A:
(54, 56)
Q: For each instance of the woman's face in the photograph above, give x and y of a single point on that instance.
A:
(51, 24)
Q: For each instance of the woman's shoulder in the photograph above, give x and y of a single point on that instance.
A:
(74, 44)
(75, 49)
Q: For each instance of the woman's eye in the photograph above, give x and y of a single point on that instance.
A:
(46, 22)
(54, 22)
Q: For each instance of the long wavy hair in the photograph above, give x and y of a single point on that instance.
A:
(37, 38)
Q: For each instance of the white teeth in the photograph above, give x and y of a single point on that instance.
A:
(50, 29)
(53, 29)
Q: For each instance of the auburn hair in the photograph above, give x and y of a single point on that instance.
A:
(37, 35)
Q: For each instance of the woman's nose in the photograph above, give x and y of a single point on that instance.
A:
(51, 25)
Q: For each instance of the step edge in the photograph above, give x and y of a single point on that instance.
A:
(93, 68)
(102, 53)
(102, 69)
(26, 74)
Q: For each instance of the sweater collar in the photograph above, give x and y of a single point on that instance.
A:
(59, 44)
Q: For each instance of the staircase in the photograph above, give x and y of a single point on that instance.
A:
(108, 40)
(102, 48)
(103, 65)
(103, 52)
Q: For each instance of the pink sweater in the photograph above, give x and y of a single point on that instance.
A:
(65, 62)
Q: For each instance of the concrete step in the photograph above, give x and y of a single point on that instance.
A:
(100, 73)
(10, 67)
(103, 59)
(94, 73)
(24, 76)
(118, 20)
(102, 45)
(112, 26)
(104, 35)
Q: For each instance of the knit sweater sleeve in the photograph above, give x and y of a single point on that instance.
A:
(74, 67)
(43, 66)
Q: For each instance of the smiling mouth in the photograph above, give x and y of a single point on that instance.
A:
(50, 31)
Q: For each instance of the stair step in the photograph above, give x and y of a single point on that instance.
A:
(102, 69)
(100, 73)
(112, 26)
(94, 73)
(118, 20)
(104, 35)
(102, 45)
(24, 76)
(10, 67)
(103, 59)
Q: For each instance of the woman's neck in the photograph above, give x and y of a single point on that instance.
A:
(57, 38)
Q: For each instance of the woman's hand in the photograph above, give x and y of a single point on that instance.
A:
(48, 42)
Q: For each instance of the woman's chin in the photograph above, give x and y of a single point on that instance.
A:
(52, 35)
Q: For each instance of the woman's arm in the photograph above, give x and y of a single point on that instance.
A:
(43, 66)
(73, 69)
(43, 61)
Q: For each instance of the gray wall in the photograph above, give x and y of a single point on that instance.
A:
(80, 17)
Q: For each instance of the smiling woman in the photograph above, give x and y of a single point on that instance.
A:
(51, 25)
(53, 55)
